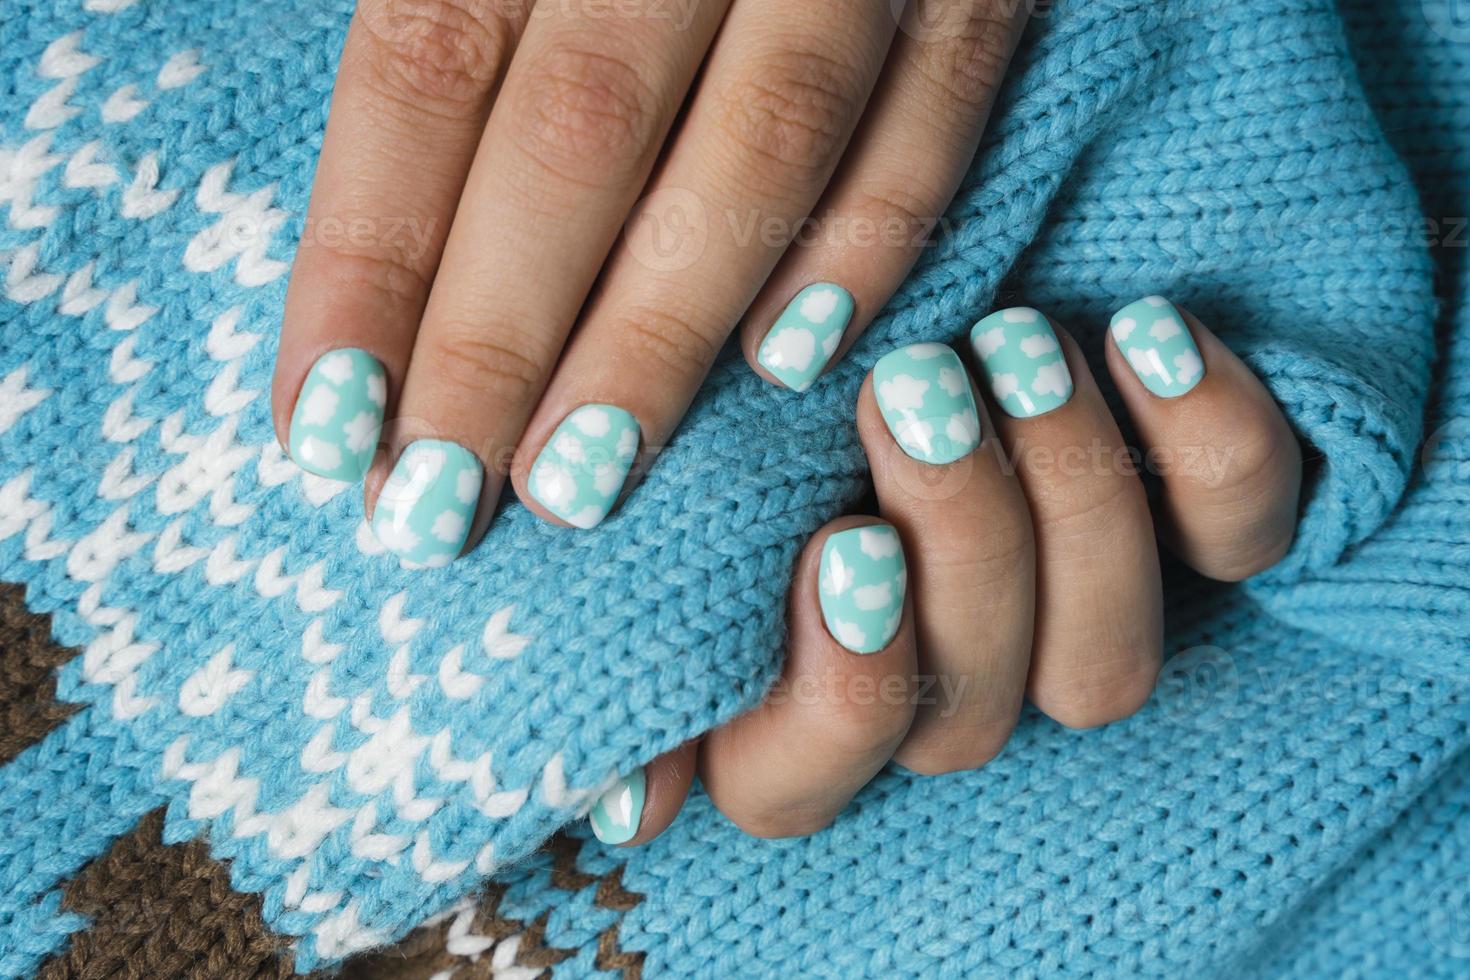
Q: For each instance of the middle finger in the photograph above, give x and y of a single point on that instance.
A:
(567, 148)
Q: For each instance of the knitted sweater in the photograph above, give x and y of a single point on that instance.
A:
(238, 740)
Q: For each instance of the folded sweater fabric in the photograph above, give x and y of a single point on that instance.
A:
(253, 744)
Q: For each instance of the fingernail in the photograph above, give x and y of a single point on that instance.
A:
(806, 335)
(924, 395)
(1154, 338)
(864, 577)
(616, 814)
(428, 501)
(339, 413)
(1022, 361)
(580, 473)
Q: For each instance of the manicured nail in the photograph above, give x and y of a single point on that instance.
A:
(806, 335)
(428, 502)
(1154, 338)
(339, 413)
(862, 587)
(580, 473)
(1023, 363)
(925, 397)
(616, 814)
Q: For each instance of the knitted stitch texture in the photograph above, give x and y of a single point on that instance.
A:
(363, 744)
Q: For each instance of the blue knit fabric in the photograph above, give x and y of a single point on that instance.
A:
(365, 743)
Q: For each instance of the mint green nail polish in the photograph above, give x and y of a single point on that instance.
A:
(863, 579)
(1022, 361)
(1154, 338)
(924, 395)
(428, 502)
(339, 413)
(580, 473)
(616, 814)
(806, 335)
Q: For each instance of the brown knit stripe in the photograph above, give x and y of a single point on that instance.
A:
(164, 910)
(168, 910)
(28, 660)
(423, 954)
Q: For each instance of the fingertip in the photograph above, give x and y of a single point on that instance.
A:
(641, 804)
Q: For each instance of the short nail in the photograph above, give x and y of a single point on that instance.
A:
(1154, 338)
(339, 413)
(806, 335)
(924, 395)
(1023, 364)
(580, 473)
(616, 814)
(863, 579)
(428, 502)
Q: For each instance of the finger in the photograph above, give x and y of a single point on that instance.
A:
(844, 701)
(412, 76)
(1099, 604)
(772, 115)
(1231, 466)
(915, 144)
(943, 482)
(565, 153)
(640, 805)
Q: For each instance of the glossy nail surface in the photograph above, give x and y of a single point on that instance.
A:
(424, 512)
(581, 471)
(924, 395)
(338, 415)
(1154, 338)
(863, 580)
(806, 335)
(616, 814)
(1018, 352)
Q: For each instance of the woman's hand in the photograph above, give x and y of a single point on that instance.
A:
(1015, 558)
(481, 163)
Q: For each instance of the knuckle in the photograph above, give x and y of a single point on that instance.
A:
(584, 112)
(1092, 508)
(390, 276)
(791, 112)
(781, 823)
(1245, 517)
(1080, 702)
(964, 65)
(669, 340)
(468, 358)
(437, 54)
(956, 748)
(907, 213)
(1005, 550)
(865, 728)
(1253, 467)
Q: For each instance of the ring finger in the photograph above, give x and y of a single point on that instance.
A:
(1099, 601)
